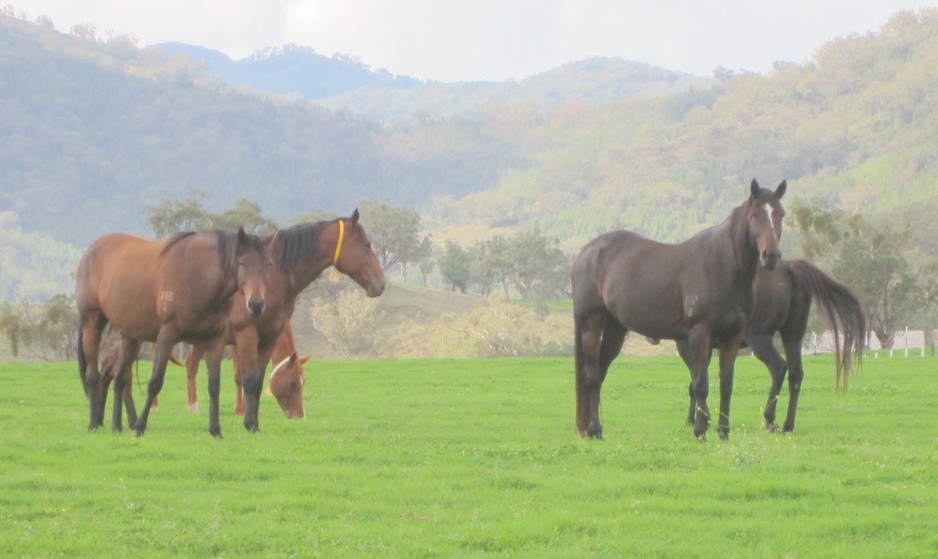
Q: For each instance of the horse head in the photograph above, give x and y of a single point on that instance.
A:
(286, 384)
(253, 269)
(355, 257)
(765, 222)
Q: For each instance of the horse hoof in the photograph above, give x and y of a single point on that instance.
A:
(771, 427)
(216, 434)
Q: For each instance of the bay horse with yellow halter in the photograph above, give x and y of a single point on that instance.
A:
(181, 289)
(699, 291)
(299, 254)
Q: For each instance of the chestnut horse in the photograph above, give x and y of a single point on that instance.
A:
(286, 378)
(181, 289)
(699, 290)
(300, 254)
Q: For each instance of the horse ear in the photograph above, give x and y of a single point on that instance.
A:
(294, 357)
(355, 216)
(754, 188)
(780, 190)
(242, 236)
(303, 360)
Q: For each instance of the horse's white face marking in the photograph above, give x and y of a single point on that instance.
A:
(276, 370)
(770, 213)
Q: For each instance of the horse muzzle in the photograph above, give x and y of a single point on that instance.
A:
(255, 306)
(374, 289)
(770, 258)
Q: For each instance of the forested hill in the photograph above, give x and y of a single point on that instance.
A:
(95, 130)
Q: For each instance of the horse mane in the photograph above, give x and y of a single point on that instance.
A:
(226, 240)
(298, 242)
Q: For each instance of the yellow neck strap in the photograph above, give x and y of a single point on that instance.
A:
(338, 245)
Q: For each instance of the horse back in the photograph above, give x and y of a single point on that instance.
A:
(634, 278)
(116, 273)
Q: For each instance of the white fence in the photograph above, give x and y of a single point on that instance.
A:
(906, 343)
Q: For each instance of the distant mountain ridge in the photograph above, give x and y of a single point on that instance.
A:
(291, 70)
(346, 82)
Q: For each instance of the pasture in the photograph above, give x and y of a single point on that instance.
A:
(477, 458)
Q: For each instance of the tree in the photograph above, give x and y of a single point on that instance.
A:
(535, 256)
(480, 271)
(821, 228)
(454, 266)
(244, 214)
(874, 263)
(424, 257)
(47, 331)
(172, 216)
(393, 232)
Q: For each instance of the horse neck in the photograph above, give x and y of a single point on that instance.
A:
(304, 270)
(225, 247)
(745, 251)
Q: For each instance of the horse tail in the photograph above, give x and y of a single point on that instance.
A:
(843, 312)
(582, 401)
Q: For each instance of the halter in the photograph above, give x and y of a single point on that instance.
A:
(338, 245)
(334, 274)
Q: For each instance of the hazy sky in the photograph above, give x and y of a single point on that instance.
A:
(492, 39)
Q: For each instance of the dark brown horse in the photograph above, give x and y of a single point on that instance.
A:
(300, 253)
(783, 300)
(164, 292)
(286, 382)
(699, 290)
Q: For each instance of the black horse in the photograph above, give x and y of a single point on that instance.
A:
(783, 300)
(699, 290)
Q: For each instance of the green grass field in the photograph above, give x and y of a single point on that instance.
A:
(477, 458)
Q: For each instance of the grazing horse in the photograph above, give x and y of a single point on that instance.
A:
(300, 254)
(181, 289)
(782, 304)
(699, 290)
(286, 378)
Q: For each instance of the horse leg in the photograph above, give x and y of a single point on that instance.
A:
(763, 348)
(162, 349)
(589, 374)
(699, 352)
(192, 369)
(795, 376)
(91, 328)
(239, 392)
(728, 353)
(123, 377)
(683, 349)
(213, 357)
